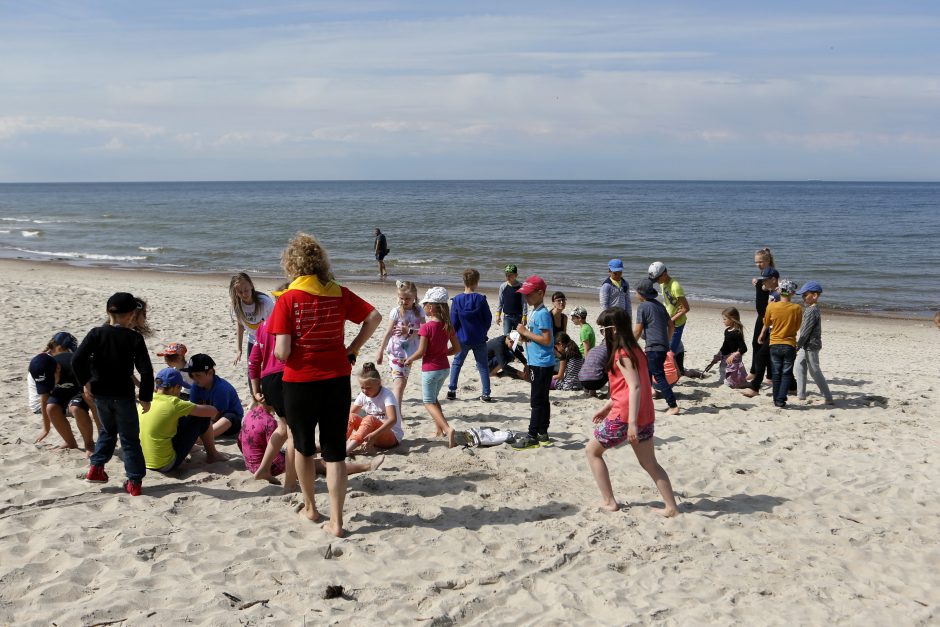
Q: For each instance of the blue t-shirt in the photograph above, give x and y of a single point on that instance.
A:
(536, 354)
(221, 395)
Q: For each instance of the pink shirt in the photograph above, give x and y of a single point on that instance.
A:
(261, 361)
(435, 357)
(620, 391)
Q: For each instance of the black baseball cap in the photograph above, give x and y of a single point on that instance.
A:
(123, 302)
(200, 362)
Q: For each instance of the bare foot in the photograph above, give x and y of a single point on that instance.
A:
(290, 489)
(669, 512)
(212, 458)
(612, 506)
(377, 462)
(332, 529)
(749, 392)
(750, 377)
(672, 411)
(451, 438)
(310, 513)
(267, 476)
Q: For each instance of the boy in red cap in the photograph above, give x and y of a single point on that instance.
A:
(541, 358)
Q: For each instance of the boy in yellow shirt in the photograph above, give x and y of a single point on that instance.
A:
(783, 320)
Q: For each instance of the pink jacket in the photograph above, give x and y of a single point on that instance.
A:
(261, 361)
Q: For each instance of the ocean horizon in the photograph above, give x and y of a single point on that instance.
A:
(871, 244)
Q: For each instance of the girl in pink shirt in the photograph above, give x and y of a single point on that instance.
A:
(629, 415)
(435, 335)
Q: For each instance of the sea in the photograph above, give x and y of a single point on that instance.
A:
(875, 247)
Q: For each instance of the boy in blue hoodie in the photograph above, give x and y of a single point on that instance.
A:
(471, 317)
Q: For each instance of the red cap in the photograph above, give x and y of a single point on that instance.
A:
(174, 348)
(533, 284)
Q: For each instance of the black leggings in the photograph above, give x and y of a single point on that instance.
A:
(324, 403)
(541, 377)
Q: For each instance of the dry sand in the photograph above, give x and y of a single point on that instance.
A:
(811, 515)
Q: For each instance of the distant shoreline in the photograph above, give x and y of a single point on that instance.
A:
(489, 288)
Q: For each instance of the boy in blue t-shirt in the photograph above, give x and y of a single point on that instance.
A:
(541, 357)
(211, 389)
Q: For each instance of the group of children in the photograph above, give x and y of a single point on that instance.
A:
(187, 402)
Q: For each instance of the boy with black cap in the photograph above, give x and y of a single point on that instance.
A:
(211, 389)
(104, 364)
(511, 307)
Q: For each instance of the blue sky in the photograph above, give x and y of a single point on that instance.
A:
(118, 91)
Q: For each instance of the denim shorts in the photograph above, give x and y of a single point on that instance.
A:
(431, 383)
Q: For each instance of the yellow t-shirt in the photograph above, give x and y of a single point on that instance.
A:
(784, 320)
(158, 426)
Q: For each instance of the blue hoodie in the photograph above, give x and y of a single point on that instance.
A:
(471, 317)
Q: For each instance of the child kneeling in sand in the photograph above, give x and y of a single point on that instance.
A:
(380, 427)
(257, 428)
(628, 416)
(172, 426)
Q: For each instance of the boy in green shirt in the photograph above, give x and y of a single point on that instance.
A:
(585, 332)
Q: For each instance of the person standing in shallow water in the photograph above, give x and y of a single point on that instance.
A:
(381, 250)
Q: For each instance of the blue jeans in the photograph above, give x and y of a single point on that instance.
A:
(676, 344)
(510, 322)
(656, 361)
(479, 355)
(782, 357)
(119, 417)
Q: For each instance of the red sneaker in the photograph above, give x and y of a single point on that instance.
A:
(132, 487)
(96, 474)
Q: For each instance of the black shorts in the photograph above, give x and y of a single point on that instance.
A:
(65, 398)
(324, 403)
(189, 429)
(272, 386)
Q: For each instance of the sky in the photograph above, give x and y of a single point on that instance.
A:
(133, 91)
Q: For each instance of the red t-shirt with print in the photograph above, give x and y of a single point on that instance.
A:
(316, 325)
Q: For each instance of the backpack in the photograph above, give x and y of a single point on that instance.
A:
(484, 437)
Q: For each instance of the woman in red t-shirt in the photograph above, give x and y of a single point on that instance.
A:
(629, 415)
(308, 323)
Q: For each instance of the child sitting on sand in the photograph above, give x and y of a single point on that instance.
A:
(433, 352)
(401, 337)
(380, 427)
(569, 363)
(257, 428)
(211, 389)
(628, 416)
(174, 356)
(586, 335)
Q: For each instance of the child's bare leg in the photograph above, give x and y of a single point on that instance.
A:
(270, 452)
(336, 480)
(85, 428)
(646, 455)
(290, 469)
(208, 443)
(61, 425)
(220, 426)
(398, 388)
(437, 414)
(353, 468)
(595, 452)
(306, 473)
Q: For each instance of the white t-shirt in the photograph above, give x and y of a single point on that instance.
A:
(35, 405)
(403, 346)
(255, 314)
(376, 407)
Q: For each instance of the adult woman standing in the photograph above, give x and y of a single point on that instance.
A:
(308, 324)
(764, 285)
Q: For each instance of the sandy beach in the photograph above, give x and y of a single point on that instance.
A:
(811, 515)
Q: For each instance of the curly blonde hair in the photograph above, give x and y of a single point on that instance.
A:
(305, 256)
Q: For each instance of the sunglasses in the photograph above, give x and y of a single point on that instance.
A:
(610, 326)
